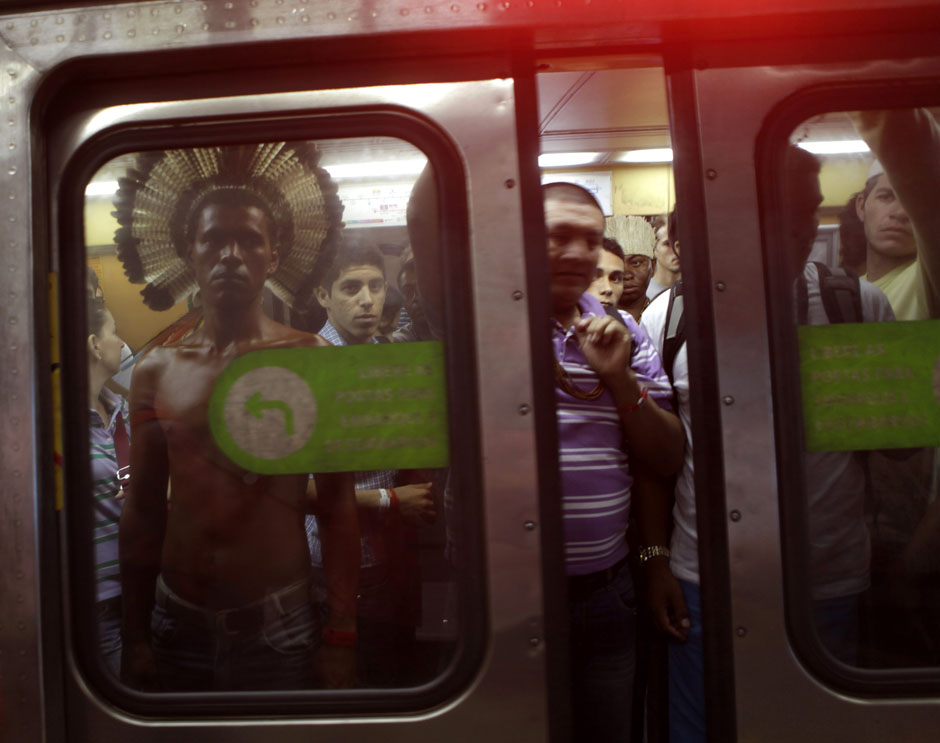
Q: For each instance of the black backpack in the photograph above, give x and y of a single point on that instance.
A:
(840, 292)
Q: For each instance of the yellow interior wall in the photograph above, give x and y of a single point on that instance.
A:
(643, 189)
(840, 177)
(136, 323)
(99, 224)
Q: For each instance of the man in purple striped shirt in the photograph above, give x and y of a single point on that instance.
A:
(616, 433)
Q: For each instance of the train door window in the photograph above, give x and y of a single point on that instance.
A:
(271, 501)
(853, 252)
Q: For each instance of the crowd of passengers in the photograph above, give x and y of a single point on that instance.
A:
(245, 581)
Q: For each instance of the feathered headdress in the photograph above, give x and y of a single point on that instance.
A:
(157, 201)
(634, 234)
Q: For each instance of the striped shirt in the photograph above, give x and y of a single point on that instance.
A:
(370, 529)
(595, 468)
(104, 488)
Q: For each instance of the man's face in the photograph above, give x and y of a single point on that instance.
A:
(232, 255)
(637, 272)
(666, 256)
(354, 303)
(608, 279)
(575, 233)
(887, 226)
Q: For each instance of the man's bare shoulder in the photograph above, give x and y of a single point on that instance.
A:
(282, 336)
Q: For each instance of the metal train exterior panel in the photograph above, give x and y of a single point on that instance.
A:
(81, 84)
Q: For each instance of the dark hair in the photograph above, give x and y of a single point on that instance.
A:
(393, 299)
(97, 313)
(234, 197)
(570, 192)
(408, 265)
(352, 255)
(853, 245)
(612, 246)
(672, 226)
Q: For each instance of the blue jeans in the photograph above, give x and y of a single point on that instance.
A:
(278, 655)
(687, 676)
(603, 660)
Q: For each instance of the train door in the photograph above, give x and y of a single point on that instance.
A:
(481, 616)
(815, 435)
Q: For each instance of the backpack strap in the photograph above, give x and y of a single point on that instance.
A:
(674, 332)
(841, 294)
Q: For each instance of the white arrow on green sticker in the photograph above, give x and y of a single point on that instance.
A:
(330, 409)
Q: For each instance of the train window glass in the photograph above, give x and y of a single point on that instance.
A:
(862, 272)
(269, 511)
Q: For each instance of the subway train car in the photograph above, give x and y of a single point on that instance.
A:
(344, 110)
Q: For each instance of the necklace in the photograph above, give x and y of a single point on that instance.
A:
(564, 380)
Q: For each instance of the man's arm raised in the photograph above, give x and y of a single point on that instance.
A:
(143, 526)
(655, 435)
(907, 143)
(339, 537)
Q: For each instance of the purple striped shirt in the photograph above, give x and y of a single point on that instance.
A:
(595, 468)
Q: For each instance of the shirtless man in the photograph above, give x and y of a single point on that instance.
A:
(228, 560)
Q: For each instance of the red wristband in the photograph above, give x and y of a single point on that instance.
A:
(638, 404)
(393, 499)
(344, 638)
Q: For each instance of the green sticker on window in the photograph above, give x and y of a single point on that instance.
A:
(870, 385)
(333, 409)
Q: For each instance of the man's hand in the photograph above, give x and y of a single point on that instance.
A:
(606, 344)
(667, 604)
(335, 667)
(139, 667)
(415, 503)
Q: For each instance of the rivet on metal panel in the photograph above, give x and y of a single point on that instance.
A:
(305, 19)
(529, 526)
(517, 295)
(280, 20)
(154, 12)
(229, 6)
(534, 642)
(205, 26)
(107, 34)
(131, 13)
(177, 10)
(523, 409)
(741, 631)
(509, 183)
(720, 286)
(354, 16)
(131, 33)
(711, 174)
(180, 28)
(331, 16)
(404, 11)
(60, 38)
(33, 41)
(428, 9)
(82, 37)
(481, 7)
(728, 400)
(735, 515)
(455, 8)
(530, 4)
(228, 24)
(253, 3)
(33, 23)
(107, 16)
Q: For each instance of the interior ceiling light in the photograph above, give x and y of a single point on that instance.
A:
(835, 147)
(567, 159)
(101, 188)
(381, 169)
(653, 155)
